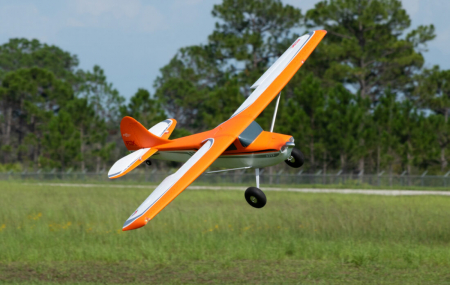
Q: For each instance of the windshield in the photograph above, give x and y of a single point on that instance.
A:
(250, 134)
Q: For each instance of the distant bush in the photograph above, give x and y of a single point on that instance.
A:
(14, 167)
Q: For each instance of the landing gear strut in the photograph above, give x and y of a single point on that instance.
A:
(254, 196)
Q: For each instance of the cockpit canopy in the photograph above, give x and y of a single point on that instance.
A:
(250, 134)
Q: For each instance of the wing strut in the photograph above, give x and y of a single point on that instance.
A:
(275, 113)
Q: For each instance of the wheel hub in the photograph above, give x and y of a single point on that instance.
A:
(253, 199)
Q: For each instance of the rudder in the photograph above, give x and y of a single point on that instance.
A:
(136, 136)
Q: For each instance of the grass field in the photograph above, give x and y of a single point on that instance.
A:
(73, 236)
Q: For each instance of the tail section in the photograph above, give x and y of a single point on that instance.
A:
(130, 162)
(164, 129)
(136, 136)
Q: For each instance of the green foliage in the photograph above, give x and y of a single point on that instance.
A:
(362, 102)
(43, 96)
(61, 142)
(252, 34)
(345, 124)
(342, 107)
(144, 109)
(14, 167)
(367, 44)
(303, 117)
(23, 53)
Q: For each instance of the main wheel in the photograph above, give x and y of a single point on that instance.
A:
(148, 162)
(255, 197)
(296, 159)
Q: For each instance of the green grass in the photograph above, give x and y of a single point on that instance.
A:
(73, 235)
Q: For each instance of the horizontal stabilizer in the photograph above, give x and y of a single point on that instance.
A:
(136, 136)
(130, 162)
(164, 129)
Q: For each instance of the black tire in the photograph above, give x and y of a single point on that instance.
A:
(255, 197)
(296, 159)
(148, 162)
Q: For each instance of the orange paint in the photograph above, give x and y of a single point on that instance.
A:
(136, 136)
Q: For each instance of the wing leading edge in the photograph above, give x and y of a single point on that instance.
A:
(174, 184)
(277, 76)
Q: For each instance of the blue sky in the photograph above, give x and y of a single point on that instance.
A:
(131, 40)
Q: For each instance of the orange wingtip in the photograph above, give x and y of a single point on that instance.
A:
(138, 223)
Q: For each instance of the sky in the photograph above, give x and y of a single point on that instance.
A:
(132, 39)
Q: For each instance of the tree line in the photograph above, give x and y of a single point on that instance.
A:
(363, 102)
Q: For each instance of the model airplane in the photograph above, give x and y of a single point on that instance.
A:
(237, 143)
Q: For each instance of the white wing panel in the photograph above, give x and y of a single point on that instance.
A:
(160, 128)
(272, 73)
(168, 183)
(125, 162)
(289, 53)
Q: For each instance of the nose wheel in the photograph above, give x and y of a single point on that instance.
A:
(254, 196)
(296, 159)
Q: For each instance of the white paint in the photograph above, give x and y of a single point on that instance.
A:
(273, 72)
(160, 128)
(125, 162)
(289, 53)
(168, 183)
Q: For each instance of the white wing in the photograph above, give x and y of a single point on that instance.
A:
(274, 71)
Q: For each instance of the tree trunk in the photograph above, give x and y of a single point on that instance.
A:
(390, 174)
(311, 143)
(7, 127)
(342, 156)
(97, 167)
(82, 147)
(361, 165)
(6, 140)
(378, 159)
(311, 159)
(62, 159)
(35, 157)
(408, 167)
(408, 163)
(443, 159)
